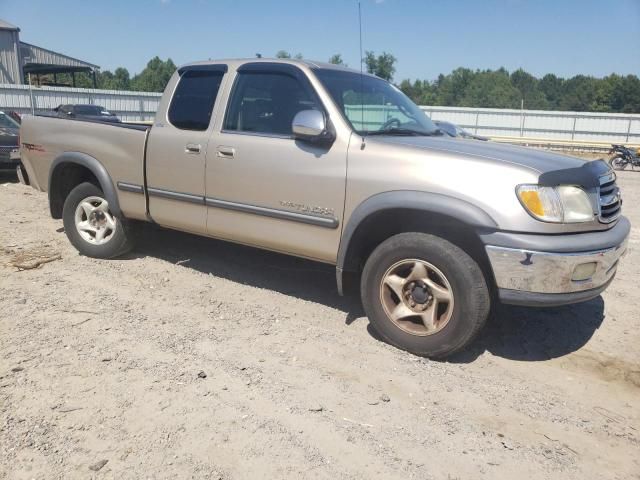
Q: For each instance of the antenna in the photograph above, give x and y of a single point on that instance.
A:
(361, 72)
(360, 25)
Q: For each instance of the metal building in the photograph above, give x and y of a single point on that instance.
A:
(19, 60)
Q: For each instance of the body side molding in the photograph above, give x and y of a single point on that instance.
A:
(317, 220)
(326, 222)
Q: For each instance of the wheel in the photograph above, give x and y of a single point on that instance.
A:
(618, 163)
(424, 295)
(91, 227)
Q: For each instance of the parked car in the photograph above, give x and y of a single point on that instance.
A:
(86, 112)
(454, 130)
(9, 143)
(274, 154)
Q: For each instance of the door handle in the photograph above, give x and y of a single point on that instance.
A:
(226, 152)
(192, 148)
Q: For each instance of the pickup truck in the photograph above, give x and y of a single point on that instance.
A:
(326, 163)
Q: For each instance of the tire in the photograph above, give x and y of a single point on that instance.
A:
(450, 272)
(618, 163)
(91, 227)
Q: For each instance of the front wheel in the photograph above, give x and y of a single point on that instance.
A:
(91, 226)
(618, 163)
(425, 295)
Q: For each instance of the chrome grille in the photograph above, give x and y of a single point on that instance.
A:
(5, 151)
(609, 199)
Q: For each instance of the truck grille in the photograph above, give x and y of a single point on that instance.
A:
(6, 150)
(610, 202)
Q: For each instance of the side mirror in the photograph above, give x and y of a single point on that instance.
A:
(311, 126)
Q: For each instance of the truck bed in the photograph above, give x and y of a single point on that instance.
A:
(119, 147)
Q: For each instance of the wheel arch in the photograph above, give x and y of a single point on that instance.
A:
(384, 215)
(72, 168)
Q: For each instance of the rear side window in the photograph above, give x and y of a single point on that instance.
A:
(192, 103)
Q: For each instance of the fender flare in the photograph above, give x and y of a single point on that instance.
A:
(95, 167)
(461, 210)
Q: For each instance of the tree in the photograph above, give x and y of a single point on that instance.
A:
(529, 90)
(551, 87)
(119, 80)
(491, 89)
(283, 54)
(382, 66)
(337, 59)
(579, 94)
(154, 77)
(449, 89)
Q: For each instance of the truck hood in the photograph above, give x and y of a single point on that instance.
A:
(539, 161)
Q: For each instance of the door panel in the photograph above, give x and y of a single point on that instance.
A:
(298, 189)
(263, 187)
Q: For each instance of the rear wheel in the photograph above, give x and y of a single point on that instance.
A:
(424, 295)
(618, 163)
(91, 226)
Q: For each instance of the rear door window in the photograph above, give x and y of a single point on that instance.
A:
(192, 103)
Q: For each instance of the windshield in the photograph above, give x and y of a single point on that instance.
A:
(7, 122)
(372, 105)
(89, 110)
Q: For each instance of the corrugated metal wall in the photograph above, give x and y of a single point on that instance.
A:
(553, 125)
(576, 126)
(10, 69)
(129, 106)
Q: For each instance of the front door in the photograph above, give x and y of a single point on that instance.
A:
(265, 188)
(177, 148)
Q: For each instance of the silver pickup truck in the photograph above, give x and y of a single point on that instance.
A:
(322, 162)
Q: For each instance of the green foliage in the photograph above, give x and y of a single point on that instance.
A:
(337, 59)
(285, 54)
(499, 89)
(118, 80)
(382, 66)
(154, 77)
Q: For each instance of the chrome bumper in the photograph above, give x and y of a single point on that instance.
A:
(542, 278)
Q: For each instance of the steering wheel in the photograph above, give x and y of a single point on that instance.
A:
(390, 123)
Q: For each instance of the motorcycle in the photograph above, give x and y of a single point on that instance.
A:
(623, 156)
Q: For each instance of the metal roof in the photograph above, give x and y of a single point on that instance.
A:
(32, 54)
(7, 26)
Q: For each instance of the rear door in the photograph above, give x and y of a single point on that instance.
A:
(177, 149)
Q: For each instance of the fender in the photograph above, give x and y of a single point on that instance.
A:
(408, 199)
(95, 167)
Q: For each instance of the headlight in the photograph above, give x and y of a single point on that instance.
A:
(563, 204)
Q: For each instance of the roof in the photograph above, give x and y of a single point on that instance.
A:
(7, 26)
(39, 55)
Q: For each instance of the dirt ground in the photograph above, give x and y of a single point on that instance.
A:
(192, 358)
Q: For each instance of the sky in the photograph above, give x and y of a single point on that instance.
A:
(428, 37)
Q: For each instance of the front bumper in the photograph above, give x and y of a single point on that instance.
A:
(531, 277)
(9, 158)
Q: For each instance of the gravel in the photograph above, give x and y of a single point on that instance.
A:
(98, 361)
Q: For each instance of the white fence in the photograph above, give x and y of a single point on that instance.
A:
(129, 106)
(551, 125)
